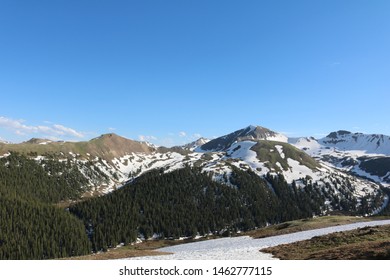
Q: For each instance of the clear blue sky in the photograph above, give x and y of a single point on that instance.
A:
(170, 71)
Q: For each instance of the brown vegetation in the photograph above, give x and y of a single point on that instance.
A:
(369, 243)
(307, 224)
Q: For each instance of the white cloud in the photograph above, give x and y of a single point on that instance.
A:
(62, 130)
(53, 131)
(197, 135)
(3, 140)
(182, 134)
(147, 138)
(168, 142)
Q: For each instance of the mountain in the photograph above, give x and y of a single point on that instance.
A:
(38, 141)
(123, 189)
(368, 143)
(364, 155)
(107, 147)
(109, 161)
(195, 144)
(249, 133)
(343, 140)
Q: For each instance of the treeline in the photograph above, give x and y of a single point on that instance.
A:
(30, 226)
(187, 202)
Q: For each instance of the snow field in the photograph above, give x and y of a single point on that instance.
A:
(245, 248)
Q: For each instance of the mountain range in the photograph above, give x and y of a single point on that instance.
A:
(364, 155)
(110, 161)
(120, 189)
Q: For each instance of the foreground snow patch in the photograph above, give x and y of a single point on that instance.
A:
(245, 248)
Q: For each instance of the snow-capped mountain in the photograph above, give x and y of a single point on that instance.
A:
(368, 143)
(250, 133)
(195, 144)
(365, 155)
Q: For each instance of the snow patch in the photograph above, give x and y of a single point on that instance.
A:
(245, 248)
(280, 150)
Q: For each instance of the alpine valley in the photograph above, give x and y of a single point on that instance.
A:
(116, 190)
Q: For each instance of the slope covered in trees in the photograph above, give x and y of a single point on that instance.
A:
(31, 230)
(186, 202)
(51, 181)
(30, 226)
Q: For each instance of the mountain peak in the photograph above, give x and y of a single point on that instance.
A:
(251, 128)
(108, 136)
(115, 146)
(195, 144)
(339, 133)
(38, 141)
(249, 133)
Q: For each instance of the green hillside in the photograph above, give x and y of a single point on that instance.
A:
(267, 152)
(31, 227)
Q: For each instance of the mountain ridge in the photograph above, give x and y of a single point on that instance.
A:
(110, 160)
(107, 146)
(364, 155)
(249, 133)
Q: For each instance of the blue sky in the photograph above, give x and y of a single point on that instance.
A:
(171, 71)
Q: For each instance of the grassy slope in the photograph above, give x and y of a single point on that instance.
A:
(267, 152)
(307, 224)
(360, 244)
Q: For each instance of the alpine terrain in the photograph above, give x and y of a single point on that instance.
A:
(116, 190)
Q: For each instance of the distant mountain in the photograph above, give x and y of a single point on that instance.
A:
(368, 143)
(365, 155)
(112, 146)
(106, 146)
(250, 133)
(38, 141)
(196, 144)
(343, 140)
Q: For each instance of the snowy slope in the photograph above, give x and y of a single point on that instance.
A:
(196, 144)
(368, 143)
(251, 133)
(344, 141)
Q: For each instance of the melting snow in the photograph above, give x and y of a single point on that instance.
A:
(280, 150)
(245, 248)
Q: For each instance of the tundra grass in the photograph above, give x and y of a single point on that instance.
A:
(368, 243)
